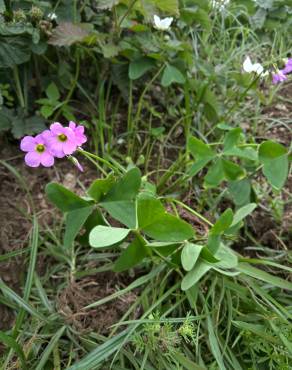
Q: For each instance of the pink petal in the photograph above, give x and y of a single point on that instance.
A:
(69, 147)
(72, 125)
(47, 160)
(56, 128)
(32, 159)
(39, 139)
(28, 144)
(69, 133)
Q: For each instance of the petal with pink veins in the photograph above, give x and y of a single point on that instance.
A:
(32, 159)
(28, 144)
(47, 160)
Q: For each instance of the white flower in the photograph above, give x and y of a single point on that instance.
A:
(52, 16)
(162, 24)
(249, 67)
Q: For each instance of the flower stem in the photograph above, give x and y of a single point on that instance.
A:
(102, 160)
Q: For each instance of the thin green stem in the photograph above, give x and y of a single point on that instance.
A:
(192, 211)
(19, 91)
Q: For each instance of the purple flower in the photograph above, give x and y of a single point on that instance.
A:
(37, 151)
(61, 141)
(80, 138)
(288, 67)
(279, 77)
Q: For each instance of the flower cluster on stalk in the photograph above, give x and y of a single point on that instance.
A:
(57, 142)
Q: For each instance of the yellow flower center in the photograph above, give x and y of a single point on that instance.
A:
(40, 148)
(62, 137)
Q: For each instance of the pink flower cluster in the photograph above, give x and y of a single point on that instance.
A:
(281, 75)
(58, 141)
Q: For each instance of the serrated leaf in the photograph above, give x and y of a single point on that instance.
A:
(67, 33)
(14, 51)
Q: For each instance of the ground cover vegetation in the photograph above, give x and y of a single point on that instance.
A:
(158, 233)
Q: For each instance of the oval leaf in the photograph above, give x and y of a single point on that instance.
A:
(104, 236)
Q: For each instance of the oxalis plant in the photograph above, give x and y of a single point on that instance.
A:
(123, 210)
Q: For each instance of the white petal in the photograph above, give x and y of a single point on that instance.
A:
(247, 65)
(157, 21)
(258, 68)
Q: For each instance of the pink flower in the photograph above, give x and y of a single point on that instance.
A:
(61, 141)
(79, 133)
(37, 151)
(288, 67)
(278, 77)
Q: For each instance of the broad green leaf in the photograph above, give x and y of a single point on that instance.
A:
(149, 209)
(270, 149)
(193, 15)
(245, 153)
(63, 198)
(276, 171)
(27, 126)
(193, 276)
(172, 75)
(14, 50)
(47, 110)
(68, 33)
(207, 255)
(197, 166)
(125, 188)
(199, 149)
(100, 187)
(168, 6)
(240, 191)
(105, 236)
(190, 255)
(232, 170)
(52, 92)
(242, 212)
(232, 138)
(123, 211)
(169, 228)
(139, 67)
(131, 256)
(215, 174)
(227, 258)
(74, 222)
(213, 242)
(223, 222)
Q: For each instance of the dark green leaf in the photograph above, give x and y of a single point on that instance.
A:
(131, 256)
(172, 75)
(63, 198)
(74, 222)
(223, 222)
(139, 67)
(232, 170)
